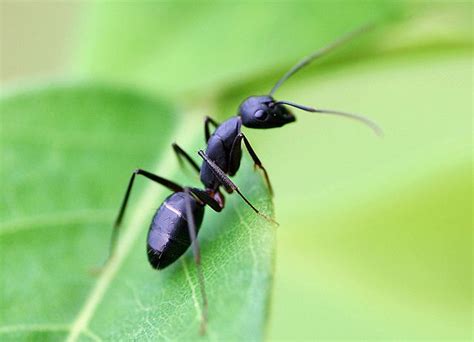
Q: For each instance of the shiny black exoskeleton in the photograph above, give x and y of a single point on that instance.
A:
(224, 146)
(264, 112)
(168, 237)
(177, 221)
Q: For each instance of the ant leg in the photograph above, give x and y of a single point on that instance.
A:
(208, 120)
(234, 154)
(167, 183)
(182, 154)
(197, 258)
(229, 185)
(206, 199)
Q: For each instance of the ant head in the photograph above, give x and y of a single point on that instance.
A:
(264, 112)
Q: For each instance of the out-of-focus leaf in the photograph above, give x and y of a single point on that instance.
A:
(363, 219)
(176, 47)
(67, 154)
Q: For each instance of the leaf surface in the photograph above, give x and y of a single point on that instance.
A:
(368, 238)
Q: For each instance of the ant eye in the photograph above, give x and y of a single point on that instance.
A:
(260, 115)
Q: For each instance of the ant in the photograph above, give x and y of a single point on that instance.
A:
(176, 223)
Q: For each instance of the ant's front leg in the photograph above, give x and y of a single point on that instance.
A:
(236, 154)
(229, 185)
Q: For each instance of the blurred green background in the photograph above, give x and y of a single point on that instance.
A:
(375, 234)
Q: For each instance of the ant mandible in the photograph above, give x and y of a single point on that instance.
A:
(176, 223)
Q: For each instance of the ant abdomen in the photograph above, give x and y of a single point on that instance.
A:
(168, 237)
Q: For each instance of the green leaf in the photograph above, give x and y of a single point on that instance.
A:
(178, 47)
(67, 154)
(374, 241)
(384, 223)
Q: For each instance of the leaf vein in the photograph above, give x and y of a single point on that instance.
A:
(125, 243)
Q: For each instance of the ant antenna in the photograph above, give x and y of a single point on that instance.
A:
(377, 130)
(320, 53)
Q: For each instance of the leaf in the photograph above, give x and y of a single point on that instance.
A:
(68, 152)
(180, 48)
(380, 228)
(343, 271)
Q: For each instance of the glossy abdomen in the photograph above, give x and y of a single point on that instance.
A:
(168, 237)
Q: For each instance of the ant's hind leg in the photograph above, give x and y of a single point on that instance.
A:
(166, 183)
(235, 156)
(229, 185)
(197, 257)
(182, 154)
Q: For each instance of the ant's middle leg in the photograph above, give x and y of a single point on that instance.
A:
(165, 182)
(207, 132)
(235, 155)
(229, 185)
(182, 154)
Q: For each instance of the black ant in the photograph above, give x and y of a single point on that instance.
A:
(177, 221)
